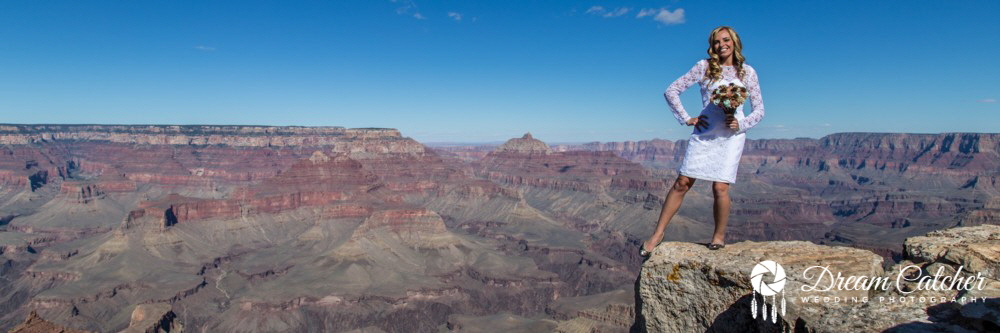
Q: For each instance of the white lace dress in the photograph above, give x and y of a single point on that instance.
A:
(714, 153)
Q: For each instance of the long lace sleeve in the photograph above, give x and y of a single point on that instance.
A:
(753, 90)
(673, 93)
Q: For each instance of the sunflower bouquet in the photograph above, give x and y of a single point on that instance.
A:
(729, 97)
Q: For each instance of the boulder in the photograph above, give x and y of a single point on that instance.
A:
(685, 287)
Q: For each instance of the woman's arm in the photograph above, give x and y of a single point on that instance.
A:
(673, 93)
(753, 90)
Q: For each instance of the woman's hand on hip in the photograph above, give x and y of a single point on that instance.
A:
(699, 123)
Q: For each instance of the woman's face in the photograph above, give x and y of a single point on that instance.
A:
(723, 44)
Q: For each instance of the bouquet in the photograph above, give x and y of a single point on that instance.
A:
(729, 97)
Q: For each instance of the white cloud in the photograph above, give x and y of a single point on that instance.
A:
(988, 100)
(595, 10)
(408, 7)
(663, 15)
(599, 10)
(647, 12)
(204, 48)
(455, 16)
(618, 12)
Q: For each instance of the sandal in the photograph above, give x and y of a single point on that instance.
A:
(642, 250)
(715, 246)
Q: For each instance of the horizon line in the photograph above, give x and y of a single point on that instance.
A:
(459, 143)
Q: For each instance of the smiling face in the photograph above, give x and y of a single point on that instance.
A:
(722, 43)
(724, 49)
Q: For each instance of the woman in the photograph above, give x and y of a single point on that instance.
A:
(714, 149)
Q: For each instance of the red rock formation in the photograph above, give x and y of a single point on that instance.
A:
(319, 173)
(85, 192)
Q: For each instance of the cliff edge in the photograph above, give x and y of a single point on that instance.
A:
(946, 283)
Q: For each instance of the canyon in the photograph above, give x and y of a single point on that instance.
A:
(262, 229)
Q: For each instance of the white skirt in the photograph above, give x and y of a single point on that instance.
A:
(714, 153)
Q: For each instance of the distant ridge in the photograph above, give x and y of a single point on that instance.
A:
(232, 135)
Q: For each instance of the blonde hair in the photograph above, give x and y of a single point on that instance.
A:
(714, 70)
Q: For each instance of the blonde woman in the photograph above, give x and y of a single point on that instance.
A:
(716, 144)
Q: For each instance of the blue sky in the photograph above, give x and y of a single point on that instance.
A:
(480, 71)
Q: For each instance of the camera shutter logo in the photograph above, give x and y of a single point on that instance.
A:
(766, 289)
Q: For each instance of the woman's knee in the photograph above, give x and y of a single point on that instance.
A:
(720, 189)
(683, 184)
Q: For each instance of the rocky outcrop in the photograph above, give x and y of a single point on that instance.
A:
(977, 249)
(685, 287)
(35, 324)
(526, 144)
(153, 318)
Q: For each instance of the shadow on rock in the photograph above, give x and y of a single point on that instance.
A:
(639, 324)
(981, 316)
(737, 318)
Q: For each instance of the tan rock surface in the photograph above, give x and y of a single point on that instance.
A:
(685, 287)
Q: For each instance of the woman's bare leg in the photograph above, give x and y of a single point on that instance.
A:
(670, 207)
(722, 204)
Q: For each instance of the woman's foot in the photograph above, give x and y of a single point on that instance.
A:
(643, 252)
(718, 242)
